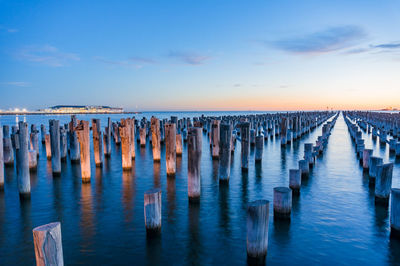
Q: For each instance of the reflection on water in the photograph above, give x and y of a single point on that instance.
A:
(334, 218)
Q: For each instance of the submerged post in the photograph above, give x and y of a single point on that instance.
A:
(257, 228)
(73, 140)
(245, 144)
(48, 146)
(43, 133)
(225, 142)
(24, 183)
(215, 139)
(179, 147)
(295, 179)
(373, 167)
(1, 161)
(54, 126)
(97, 142)
(152, 210)
(48, 245)
(156, 139)
(125, 134)
(282, 202)
(170, 148)
(107, 138)
(395, 212)
(7, 147)
(259, 148)
(82, 130)
(304, 167)
(367, 153)
(194, 163)
(383, 182)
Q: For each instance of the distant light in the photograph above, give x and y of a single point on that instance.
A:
(16, 109)
(24, 110)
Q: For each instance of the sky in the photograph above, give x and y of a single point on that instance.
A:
(200, 55)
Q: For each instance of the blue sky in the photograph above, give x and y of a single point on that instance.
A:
(200, 55)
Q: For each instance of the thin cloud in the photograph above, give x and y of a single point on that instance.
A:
(46, 55)
(328, 40)
(10, 30)
(143, 60)
(189, 57)
(392, 47)
(124, 63)
(16, 83)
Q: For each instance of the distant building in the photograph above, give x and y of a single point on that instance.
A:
(63, 109)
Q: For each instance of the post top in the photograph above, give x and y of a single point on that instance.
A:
(282, 189)
(153, 191)
(46, 227)
(258, 203)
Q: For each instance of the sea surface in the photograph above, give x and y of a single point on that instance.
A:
(334, 219)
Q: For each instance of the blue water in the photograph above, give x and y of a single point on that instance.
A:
(334, 220)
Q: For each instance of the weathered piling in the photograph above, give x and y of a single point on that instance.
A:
(295, 179)
(367, 153)
(1, 161)
(97, 142)
(383, 182)
(107, 138)
(82, 130)
(245, 145)
(225, 142)
(152, 210)
(284, 127)
(43, 133)
(132, 126)
(142, 135)
(125, 134)
(308, 153)
(21, 145)
(215, 128)
(32, 160)
(48, 146)
(194, 163)
(282, 202)
(259, 148)
(48, 245)
(74, 145)
(257, 228)
(7, 147)
(395, 212)
(54, 126)
(34, 140)
(156, 139)
(170, 148)
(373, 167)
(63, 143)
(179, 148)
(304, 167)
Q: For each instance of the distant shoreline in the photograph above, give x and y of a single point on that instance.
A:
(67, 113)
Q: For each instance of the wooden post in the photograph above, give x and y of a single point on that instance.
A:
(295, 179)
(367, 153)
(152, 210)
(194, 163)
(284, 126)
(97, 142)
(245, 144)
(75, 153)
(373, 167)
(156, 139)
(82, 130)
(383, 182)
(304, 167)
(1, 161)
(32, 160)
(257, 228)
(132, 126)
(259, 148)
(282, 202)
(43, 133)
(170, 148)
(63, 143)
(48, 146)
(142, 134)
(395, 212)
(225, 142)
(179, 148)
(24, 183)
(308, 153)
(107, 138)
(48, 245)
(34, 140)
(125, 133)
(7, 147)
(54, 126)
(215, 139)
